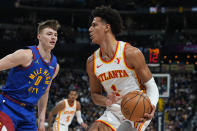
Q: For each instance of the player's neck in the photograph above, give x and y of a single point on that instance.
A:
(108, 48)
(46, 54)
(70, 102)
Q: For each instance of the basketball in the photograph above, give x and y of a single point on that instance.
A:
(134, 105)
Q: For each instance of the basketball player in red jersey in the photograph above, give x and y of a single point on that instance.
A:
(119, 68)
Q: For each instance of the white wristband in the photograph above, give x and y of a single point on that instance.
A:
(79, 119)
(152, 91)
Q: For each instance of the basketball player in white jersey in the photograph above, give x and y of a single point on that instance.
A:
(65, 110)
(119, 68)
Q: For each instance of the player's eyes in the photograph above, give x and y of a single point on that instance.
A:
(93, 24)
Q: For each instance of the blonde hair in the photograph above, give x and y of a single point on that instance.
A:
(53, 24)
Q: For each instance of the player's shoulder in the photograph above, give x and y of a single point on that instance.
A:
(93, 56)
(27, 51)
(78, 105)
(25, 54)
(62, 102)
(130, 47)
(77, 102)
(131, 50)
(90, 59)
(90, 64)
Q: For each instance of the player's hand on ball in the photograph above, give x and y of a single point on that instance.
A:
(148, 116)
(112, 98)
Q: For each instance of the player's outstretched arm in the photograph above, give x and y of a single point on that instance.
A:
(42, 104)
(79, 118)
(21, 57)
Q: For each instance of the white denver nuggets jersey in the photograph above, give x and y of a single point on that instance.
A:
(66, 116)
(115, 75)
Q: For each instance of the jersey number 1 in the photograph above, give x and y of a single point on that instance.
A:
(113, 87)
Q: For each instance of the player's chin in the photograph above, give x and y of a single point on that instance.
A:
(51, 46)
(92, 39)
(95, 42)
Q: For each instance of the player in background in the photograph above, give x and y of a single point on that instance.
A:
(65, 110)
(31, 73)
(119, 68)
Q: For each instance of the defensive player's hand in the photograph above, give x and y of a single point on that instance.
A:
(112, 98)
(148, 116)
(84, 125)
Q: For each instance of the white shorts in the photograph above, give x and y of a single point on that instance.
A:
(60, 127)
(113, 117)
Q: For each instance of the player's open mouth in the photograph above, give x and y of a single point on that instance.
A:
(52, 42)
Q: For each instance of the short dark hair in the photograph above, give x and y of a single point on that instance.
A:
(74, 90)
(53, 24)
(110, 16)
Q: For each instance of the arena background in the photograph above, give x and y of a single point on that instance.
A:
(164, 30)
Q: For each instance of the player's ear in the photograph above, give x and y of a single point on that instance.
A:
(107, 27)
(38, 36)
